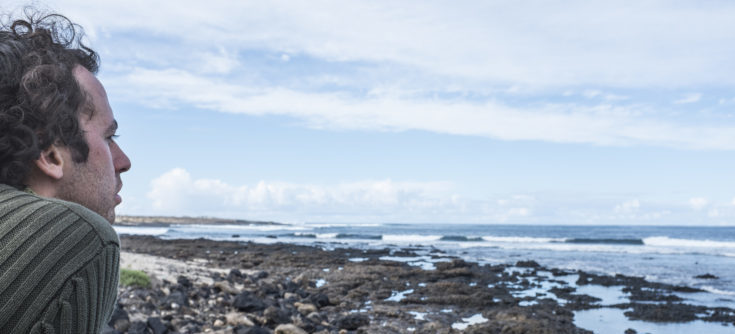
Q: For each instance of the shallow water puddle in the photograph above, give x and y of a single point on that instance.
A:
(707, 299)
(610, 295)
(418, 315)
(398, 296)
(539, 291)
(466, 322)
(425, 262)
(613, 321)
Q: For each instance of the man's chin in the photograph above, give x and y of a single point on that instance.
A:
(111, 218)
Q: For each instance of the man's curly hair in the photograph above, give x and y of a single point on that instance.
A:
(40, 100)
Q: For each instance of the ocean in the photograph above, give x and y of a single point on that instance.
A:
(667, 254)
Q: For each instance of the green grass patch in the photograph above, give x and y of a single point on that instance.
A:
(129, 277)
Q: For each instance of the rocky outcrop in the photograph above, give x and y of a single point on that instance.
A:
(282, 288)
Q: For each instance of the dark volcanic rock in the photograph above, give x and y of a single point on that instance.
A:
(246, 302)
(668, 312)
(638, 294)
(184, 282)
(251, 330)
(176, 297)
(267, 285)
(527, 264)
(119, 320)
(352, 321)
(543, 320)
(156, 325)
(138, 327)
(706, 276)
(275, 315)
(234, 276)
(320, 300)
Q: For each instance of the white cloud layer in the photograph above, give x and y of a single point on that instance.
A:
(689, 98)
(450, 68)
(628, 207)
(603, 124)
(628, 43)
(176, 192)
(698, 203)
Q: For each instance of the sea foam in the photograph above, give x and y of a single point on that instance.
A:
(137, 230)
(673, 242)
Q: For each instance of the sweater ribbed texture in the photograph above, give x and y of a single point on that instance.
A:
(59, 266)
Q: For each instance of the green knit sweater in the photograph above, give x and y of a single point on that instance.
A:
(59, 266)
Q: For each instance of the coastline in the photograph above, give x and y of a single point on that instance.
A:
(166, 221)
(231, 287)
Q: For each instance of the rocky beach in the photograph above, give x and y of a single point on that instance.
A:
(205, 286)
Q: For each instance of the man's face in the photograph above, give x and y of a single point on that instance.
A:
(95, 183)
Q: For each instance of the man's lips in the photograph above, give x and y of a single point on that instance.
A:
(118, 199)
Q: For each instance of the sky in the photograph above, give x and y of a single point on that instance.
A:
(491, 112)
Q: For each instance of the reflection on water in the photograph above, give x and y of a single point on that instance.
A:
(613, 321)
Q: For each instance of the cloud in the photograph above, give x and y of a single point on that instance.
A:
(602, 124)
(176, 192)
(689, 98)
(698, 203)
(558, 43)
(477, 68)
(628, 207)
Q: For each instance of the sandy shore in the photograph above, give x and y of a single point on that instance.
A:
(227, 287)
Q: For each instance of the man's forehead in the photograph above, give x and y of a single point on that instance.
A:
(97, 107)
(88, 81)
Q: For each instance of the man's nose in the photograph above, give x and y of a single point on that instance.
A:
(121, 160)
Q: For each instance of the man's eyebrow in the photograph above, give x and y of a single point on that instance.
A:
(113, 127)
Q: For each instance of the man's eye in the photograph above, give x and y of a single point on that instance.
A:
(113, 137)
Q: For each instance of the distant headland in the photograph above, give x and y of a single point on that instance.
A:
(169, 220)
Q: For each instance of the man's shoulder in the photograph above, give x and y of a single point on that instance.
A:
(20, 203)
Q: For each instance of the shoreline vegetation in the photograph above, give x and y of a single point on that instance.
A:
(205, 286)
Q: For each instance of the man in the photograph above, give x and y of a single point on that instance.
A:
(59, 181)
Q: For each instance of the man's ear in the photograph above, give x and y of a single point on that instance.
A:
(51, 162)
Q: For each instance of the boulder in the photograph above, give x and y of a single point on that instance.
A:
(305, 308)
(351, 321)
(246, 302)
(176, 297)
(289, 329)
(184, 282)
(320, 300)
(275, 315)
(251, 330)
(238, 319)
(119, 320)
(156, 325)
(138, 327)
(226, 287)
